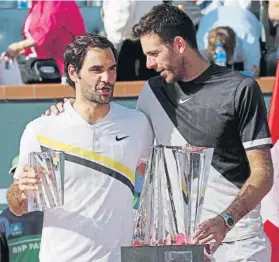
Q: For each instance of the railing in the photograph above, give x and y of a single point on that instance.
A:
(58, 91)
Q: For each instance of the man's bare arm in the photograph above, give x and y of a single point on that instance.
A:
(250, 195)
(257, 185)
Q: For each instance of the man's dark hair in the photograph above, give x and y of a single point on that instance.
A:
(77, 51)
(167, 21)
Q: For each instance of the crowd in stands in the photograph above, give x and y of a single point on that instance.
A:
(247, 30)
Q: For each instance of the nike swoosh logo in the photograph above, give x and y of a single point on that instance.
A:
(120, 138)
(182, 101)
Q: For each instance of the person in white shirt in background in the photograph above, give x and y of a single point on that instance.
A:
(207, 6)
(119, 18)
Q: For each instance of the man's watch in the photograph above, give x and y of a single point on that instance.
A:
(229, 221)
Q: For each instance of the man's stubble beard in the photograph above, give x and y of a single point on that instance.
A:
(96, 99)
(178, 71)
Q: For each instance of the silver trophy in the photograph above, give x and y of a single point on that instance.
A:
(172, 195)
(49, 166)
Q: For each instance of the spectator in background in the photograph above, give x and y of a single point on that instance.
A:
(207, 6)
(119, 18)
(49, 27)
(246, 28)
(272, 55)
(226, 36)
(22, 233)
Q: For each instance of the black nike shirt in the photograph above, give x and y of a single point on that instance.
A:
(221, 109)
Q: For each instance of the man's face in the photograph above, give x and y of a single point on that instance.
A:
(166, 60)
(97, 76)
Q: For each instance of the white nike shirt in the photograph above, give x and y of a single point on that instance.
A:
(101, 160)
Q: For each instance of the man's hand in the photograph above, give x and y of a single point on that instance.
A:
(57, 108)
(212, 229)
(28, 181)
(18, 191)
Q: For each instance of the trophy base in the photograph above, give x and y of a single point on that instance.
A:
(189, 253)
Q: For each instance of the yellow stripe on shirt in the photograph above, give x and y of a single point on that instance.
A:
(56, 145)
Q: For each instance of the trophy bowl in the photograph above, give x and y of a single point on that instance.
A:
(171, 201)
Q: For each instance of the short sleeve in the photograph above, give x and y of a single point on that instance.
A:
(28, 144)
(147, 142)
(251, 115)
(142, 102)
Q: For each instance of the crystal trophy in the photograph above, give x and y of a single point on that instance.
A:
(49, 167)
(172, 195)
